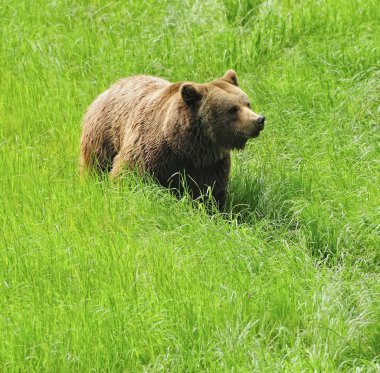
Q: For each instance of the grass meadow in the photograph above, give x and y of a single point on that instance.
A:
(103, 277)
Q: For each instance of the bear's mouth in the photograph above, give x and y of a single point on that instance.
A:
(251, 134)
(255, 134)
(244, 136)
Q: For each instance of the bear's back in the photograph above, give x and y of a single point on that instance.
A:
(133, 90)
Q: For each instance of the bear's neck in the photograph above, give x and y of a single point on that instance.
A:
(191, 144)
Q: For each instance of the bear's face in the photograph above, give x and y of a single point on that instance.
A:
(224, 111)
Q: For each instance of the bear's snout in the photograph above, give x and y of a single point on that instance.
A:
(255, 125)
(251, 124)
(261, 122)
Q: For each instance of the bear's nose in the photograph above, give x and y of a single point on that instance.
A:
(260, 122)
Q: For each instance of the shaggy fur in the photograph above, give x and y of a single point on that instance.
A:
(169, 130)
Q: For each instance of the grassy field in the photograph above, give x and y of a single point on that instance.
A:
(98, 277)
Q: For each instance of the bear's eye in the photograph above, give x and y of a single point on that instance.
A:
(249, 105)
(233, 109)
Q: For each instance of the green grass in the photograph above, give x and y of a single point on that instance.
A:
(100, 277)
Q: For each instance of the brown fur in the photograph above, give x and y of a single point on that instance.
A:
(167, 129)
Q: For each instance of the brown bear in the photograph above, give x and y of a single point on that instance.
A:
(180, 133)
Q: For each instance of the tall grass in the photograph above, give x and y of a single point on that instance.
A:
(127, 278)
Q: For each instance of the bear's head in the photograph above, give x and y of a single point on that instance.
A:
(223, 110)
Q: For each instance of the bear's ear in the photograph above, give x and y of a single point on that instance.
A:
(230, 77)
(189, 93)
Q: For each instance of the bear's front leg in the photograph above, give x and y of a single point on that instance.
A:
(217, 177)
